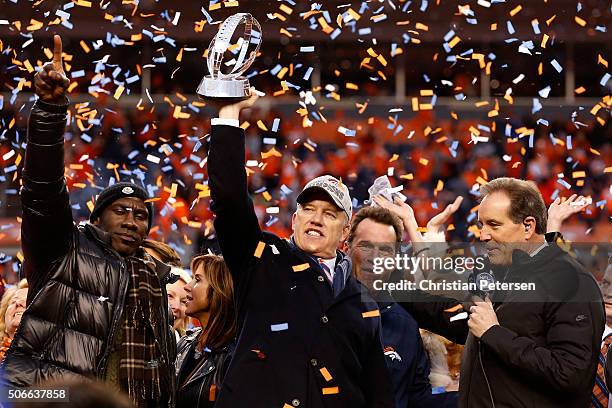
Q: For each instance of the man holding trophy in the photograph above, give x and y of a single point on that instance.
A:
(308, 332)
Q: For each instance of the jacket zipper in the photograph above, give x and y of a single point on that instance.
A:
(111, 339)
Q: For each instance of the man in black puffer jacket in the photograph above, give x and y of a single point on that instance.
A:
(97, 305)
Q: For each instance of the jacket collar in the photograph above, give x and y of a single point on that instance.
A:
(343, 262)
(522, 261)
(104, 238)
(206, 365)
(343, 266)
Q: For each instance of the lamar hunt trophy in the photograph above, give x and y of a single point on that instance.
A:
(230, 86)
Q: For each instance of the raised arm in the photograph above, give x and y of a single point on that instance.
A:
(236, 224)
(559, 211)
(47, 219)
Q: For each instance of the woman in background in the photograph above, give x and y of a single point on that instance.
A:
(12, 306)
(203, 355)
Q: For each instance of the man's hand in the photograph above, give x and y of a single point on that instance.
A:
(232, 110)
(436, 224)
(482, 318)
(404, 212)
(559, 211)
(50, 82)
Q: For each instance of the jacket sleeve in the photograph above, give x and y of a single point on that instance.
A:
(236, 224)
(565, 363)
(47, 222)
(377, 382)
(433, 313)
(420, 389)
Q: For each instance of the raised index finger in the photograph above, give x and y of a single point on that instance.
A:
(57, 52)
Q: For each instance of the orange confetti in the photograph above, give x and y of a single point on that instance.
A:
(371, 313)
(454, 308)
(579, 90)
(34, 25)
(454, 41)
(579, 21)
(602, 61)
(286, 9)
(85, 46)
(301, 267)
(118, 92)
(516, 10)
(262, 126)
(259, 250)
(328, 377)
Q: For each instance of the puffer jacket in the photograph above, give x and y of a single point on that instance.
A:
(200, 387)
(78, 283)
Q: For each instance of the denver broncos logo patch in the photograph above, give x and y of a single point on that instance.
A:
(392, 354)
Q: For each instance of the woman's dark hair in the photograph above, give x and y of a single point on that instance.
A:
(221, 326)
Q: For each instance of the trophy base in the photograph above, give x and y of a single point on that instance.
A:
(228, 90)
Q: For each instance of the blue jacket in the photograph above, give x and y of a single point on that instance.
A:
(407, 360)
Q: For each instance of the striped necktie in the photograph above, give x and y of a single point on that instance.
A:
(599, 397)
(337, 277)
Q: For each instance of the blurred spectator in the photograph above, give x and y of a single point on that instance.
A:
(177, 300)
(601, 389)
(11, 309)
(176, 293)
(162, 252)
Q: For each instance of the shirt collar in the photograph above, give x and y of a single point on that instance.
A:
(607, 332)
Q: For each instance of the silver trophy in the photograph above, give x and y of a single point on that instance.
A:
(232, 85)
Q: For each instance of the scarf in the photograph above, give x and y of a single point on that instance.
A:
(143, 366)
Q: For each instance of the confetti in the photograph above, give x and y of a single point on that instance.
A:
(279, 327)
(371, 313)
(459, 316)
(325, 373)
(556, 65)
(301, 267)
